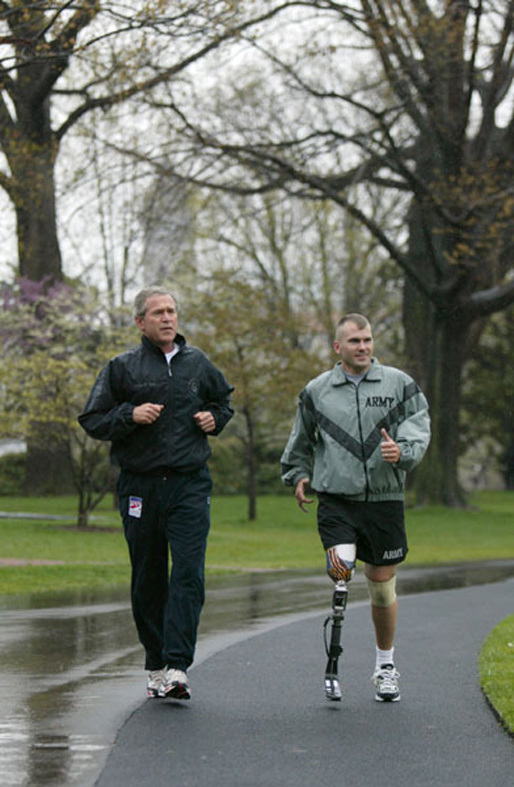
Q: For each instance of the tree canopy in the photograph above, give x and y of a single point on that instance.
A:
(61, 60)
(424, 118)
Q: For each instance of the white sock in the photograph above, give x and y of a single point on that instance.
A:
(384, 657)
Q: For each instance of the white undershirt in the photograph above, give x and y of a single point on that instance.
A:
(170, 355)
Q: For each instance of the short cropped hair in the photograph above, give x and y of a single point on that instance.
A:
(358, 319)
(147, 292)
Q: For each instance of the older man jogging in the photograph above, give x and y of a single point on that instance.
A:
(157, 404)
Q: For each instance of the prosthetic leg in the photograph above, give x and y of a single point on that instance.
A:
(340, 568)
(334, 647)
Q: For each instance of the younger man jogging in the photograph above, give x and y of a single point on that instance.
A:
(359, 428)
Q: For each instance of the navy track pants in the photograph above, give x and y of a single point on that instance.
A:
(166, 513)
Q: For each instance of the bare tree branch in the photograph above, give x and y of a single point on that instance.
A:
(147, 85)
(495, 299)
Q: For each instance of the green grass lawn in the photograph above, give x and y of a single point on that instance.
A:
(285, 537)
(497, 670)
(281, 537)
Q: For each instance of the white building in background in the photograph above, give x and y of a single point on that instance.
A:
(168, 227)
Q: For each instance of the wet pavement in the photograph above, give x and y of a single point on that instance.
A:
(71, 667)
(259, 717)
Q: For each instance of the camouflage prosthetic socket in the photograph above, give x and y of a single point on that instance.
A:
(341, 562)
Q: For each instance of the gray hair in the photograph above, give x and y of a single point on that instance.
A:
(358, 319)
(147, 292)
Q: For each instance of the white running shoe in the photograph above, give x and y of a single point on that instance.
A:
(385, 679)
(175, 685)
(155, 681)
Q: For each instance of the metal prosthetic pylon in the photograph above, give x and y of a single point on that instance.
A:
(333, 647)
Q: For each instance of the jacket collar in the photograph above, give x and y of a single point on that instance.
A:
(179, 341)
(374, 373)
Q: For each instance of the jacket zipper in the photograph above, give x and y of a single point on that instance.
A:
(171, 403)
(362, 441)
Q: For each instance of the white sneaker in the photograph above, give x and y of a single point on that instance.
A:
(385, 679)
(155, 681)
(175, 685)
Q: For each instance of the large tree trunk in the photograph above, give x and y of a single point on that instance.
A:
(452, 335)
(32, 162)
(437, 347)
(38, 246)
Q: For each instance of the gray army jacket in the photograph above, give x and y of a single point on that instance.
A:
(335, 440)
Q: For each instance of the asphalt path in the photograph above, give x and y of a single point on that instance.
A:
(258, 717)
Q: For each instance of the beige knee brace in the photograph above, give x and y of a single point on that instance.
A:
(382, 594)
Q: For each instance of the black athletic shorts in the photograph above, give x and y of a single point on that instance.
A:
(377, 529)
